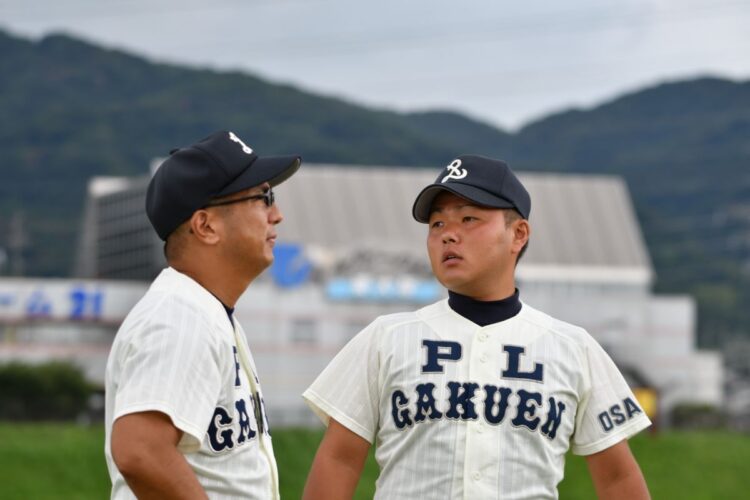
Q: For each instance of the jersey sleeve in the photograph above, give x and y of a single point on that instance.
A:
(171, 365)
(608, 411)
(348, 388)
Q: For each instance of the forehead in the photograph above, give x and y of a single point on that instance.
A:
(447, 199)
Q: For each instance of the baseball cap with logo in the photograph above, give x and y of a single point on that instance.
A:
(219, 165)
(484, 181)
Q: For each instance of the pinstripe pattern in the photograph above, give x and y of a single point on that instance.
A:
(174, 354)
(473, 458)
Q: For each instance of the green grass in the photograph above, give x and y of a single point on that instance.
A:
(684, 465)
(64, 461)
(52, 461)
(295, 450)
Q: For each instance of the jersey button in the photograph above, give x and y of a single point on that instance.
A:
(483, 336)
(480, 429)
(476, 476)
(484, 358)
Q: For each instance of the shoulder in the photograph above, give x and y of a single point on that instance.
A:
(186, 296)
(161, 307)
(384, 326)
(403, 320)
(175, 303)
(560, 329)
(397, 327)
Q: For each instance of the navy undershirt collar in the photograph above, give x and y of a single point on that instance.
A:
(230, 311)
(484, 313)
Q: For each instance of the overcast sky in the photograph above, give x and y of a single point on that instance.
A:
(503, 62)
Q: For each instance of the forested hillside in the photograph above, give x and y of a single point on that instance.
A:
(73, 110)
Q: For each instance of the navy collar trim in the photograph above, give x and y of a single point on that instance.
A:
(485, 313)
(230, 311)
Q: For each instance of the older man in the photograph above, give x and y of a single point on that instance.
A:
(185, 416)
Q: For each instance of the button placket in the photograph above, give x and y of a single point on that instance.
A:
(480, 372)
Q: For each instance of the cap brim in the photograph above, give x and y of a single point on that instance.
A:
(271, 169)
(423, 203)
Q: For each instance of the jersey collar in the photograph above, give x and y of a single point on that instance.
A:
(485, 313)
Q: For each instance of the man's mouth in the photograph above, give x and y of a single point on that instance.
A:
(450, 256)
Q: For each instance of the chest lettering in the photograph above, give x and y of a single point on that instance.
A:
(529, 410)
(225, 432)
(437, 351)
(468, 401)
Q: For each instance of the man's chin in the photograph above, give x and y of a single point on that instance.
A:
(261, 265)
(267, 263)
(452, 283)
(456, 280)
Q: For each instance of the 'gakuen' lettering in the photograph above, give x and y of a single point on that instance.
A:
(467, 401)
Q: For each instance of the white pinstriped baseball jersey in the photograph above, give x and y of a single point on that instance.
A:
(177, 353)
(462, 411)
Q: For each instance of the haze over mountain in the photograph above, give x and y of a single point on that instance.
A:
(73, 110)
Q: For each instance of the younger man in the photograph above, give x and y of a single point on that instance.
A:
(480, 395)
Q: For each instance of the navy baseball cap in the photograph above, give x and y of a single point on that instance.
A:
(484, 181)
(219, 165)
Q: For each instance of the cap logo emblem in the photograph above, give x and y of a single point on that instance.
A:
(456, 172)
(245, 148)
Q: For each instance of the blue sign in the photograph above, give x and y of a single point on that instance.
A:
(38, 305)
(383, 290)
(85, 304)
(7, 300)
(290, 265)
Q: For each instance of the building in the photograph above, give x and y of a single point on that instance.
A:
(348, 251)
(116, 240)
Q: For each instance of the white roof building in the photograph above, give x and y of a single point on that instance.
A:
(349, 250)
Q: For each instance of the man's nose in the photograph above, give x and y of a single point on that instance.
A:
(275, 216)
(450, 235)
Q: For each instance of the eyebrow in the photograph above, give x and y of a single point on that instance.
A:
(440, 209)
(259, 189)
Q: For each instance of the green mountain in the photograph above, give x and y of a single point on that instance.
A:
(684, 149)
(73, 110)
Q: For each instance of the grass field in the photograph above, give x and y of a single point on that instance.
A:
(54, 461)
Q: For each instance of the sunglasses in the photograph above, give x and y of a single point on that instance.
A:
(267, 196)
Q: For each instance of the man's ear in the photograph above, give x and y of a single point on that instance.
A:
(206, 226)
(521, 234)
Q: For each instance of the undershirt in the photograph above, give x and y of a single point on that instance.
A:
(484, 313)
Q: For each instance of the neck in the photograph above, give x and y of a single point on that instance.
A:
(485, 313)
(224, 283)
(488, 293)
